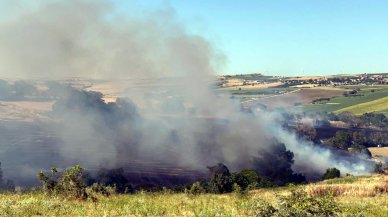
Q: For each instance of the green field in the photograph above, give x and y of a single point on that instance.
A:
(354, 196)
(365, 96)
(377, 105)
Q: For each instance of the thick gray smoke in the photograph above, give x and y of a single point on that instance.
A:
(180, 122)
(57, 38)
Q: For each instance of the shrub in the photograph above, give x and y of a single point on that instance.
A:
(68, 184)
(240, 180)
(341, 140)
(300, 204)
(331, 173)
(275, 164)
(251, 176)
(116, 178)
(198, 188)
(97, 188)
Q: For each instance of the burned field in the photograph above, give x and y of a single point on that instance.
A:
(153, 149)
(29, 147)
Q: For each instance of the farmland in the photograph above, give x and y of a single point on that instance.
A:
(371, 106)
(302, 96)
(356, 196)
(311, 93)
(345, 103)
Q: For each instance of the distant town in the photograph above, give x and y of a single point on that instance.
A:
(335, 80)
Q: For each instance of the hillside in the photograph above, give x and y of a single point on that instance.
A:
(371, 106)
(361, 196)
(357, 94)
(366, 100)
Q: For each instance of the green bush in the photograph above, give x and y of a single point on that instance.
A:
(68, 184)
(298, 203)
(241, 180)
(198, 188)
(331, 173)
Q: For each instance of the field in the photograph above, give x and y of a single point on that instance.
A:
(275, 94)
(379, 151)
(238, 86)
(304, 96)
(356, 196)
(342, 103)
(371, 106)
(288, 97)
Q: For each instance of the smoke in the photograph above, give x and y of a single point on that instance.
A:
(87, 38)
(175, 119)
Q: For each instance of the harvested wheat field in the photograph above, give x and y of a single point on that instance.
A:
(379, 151)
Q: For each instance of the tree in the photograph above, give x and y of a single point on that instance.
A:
(220, 179)
(341, 140)
(275, 164)
(241, 180)
(250, 175)
(246, 178)
(375, 119)
(331, 173)
(360, 139)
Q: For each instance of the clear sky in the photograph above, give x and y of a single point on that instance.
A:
(288, 37)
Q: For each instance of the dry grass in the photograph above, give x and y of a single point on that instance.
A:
(357, 196)
(351, 186)
(382, 151)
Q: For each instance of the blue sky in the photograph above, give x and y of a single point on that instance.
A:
(299, 37)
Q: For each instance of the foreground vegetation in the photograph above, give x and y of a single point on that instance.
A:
(351, 196)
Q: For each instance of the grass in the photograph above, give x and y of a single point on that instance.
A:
(354, 200)
(351, 186)
(341, 102)
(371, 106)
